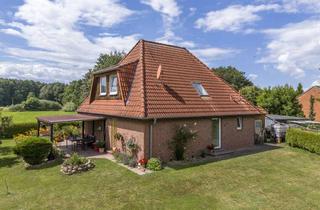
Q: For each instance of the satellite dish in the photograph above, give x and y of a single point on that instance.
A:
(159, 72)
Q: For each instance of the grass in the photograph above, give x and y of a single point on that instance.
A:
(283, 178)
(30, 116)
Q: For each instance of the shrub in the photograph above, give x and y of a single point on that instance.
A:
(34, 150)
(69, 107)
(132, 162)
(307, 140)
(180, 140)
(35, 104)
(46, 105)
(154, 164)
(16, 108)
(75, 159)
(100, 144)
(16, 129)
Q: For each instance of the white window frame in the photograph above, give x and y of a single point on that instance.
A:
(240, 122)
(110, 83)
(197, 85)
(219, 146)
(103, 93)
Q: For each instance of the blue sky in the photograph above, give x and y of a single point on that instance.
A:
(273, 41)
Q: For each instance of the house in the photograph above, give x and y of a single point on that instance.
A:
(304, 100)
(155, 89)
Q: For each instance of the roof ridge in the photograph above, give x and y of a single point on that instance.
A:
(226, 83)
(159, 43)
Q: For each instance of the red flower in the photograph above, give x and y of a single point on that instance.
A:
(143, 161)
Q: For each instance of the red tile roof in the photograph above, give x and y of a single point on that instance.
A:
(173, 96)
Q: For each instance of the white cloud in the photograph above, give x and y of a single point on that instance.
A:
(253, 76)
(35, 72)
(212, 53)
(233, 18)
(316, 83)
(309, 6)
(294, 48)
(170, 11)
(52, 30)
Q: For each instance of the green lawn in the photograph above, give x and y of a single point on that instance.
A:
(30, 116)
(283, 178)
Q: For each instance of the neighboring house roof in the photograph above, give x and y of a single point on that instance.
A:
(310, 89)
(171, 96)
(275, 117)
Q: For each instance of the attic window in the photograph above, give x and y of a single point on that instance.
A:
(103, 86)
(200, 89)
(113, 82)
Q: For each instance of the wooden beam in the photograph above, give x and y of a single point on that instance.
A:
(38, 128)
(82, 129)
(104, 133)
(51, 132)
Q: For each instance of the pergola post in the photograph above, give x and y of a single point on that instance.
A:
(82, 129)
(38, 128)
(51, 132)
(104, 133)
(93, 127)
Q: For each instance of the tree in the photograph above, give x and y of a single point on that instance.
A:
(233, 76)
(52, 92)
(312, 114)
(251, 93)
(299, 89)
(280, 100)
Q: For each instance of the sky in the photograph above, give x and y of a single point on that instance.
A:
(274, 42)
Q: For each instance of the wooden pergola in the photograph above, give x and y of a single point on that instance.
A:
(51, 120)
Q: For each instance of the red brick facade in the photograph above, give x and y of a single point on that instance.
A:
(304, 100)
(163, 130)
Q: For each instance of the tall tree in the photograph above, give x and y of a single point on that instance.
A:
(251, 93)
(280, 100)
(312, 114)
(52, 91)
(233, 76)
(299, 89)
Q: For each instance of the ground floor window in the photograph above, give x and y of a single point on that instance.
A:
(239, 123)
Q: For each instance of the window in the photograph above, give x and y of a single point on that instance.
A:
(103, 86)
(258, 126)
(200, 89)
(113, 85)
(239, 123)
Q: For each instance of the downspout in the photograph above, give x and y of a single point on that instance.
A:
(151, 136)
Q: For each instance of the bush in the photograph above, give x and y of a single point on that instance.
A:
(46, 105)
(132, 163)
(34, 150)
(75, 159)
(35, 104)
(69, 107)
(307, 140)
(154, 164)
(178, 144)
(16, 129)
(16, 108)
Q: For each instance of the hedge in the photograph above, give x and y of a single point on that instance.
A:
(307, 140)
(19, 128)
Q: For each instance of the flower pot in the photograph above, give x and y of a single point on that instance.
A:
(101, 150)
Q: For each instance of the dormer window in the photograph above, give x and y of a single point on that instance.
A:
(200, 89)
(103, 86)
(113, 85)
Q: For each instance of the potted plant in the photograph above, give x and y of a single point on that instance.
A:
(100, 145)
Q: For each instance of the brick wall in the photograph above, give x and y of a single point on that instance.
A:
(304, 100)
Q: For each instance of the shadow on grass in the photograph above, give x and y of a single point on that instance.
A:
(210, 159)
(8, 161)
(49, 164)
(5, 150)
